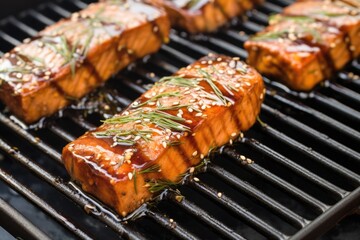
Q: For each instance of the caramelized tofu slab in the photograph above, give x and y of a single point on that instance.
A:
(169, 129)
(204, 15)
(342, 16)
(74, 56)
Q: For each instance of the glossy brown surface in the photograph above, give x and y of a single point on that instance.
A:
(168, 129)
(72, 57)
(307, 43)
(204, 15)
(338, 14)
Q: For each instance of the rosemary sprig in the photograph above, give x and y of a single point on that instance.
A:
(151, 169)
(191, 4)
(179, 81)
(125, 137)
(269, 35)
(210, 81)
(275, 18)
(157, 185)
(63, 48)
(161, 119)
(330, 14)
(155, 98)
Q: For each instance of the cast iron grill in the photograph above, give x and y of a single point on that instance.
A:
(304, 179)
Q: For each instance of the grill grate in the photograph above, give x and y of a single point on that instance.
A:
(304, 179)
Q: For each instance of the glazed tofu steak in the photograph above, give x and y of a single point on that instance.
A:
(307, 43)
(169, 129)
(197, 16)
(72, 57)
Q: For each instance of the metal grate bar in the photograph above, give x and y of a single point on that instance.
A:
(206, 218)
(168, 224)
(41, 204)
(56, 8)
(317, 115)
(15, 221)
(353, 177)
(276, 207)
(312, 132)
(323, 222)
(62, 133)
(9, 38)
(337, 106)
(41, 17)
(345, 92)
(34, 140)
(234, 208)
(22, 26)
(336, 191)
(278, 182)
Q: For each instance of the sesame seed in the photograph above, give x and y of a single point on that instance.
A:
(231, 141)
(198, 114)
(171, 220)
(202, 156)
(196, 179)
(242, 157)
(194, 154)
(175, 103)
(249, 161)
(191, 170)
(137, 138)
(179, 198)
(164, 144)
(19, 75)
(189, 121)
(219, 194)
(193, 134)
(233, 134)
(130, 175)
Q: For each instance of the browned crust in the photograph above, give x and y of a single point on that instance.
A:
(211, 16)
(102, 61)
(82, 158)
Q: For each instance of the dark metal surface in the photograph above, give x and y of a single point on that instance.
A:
(305, 175)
